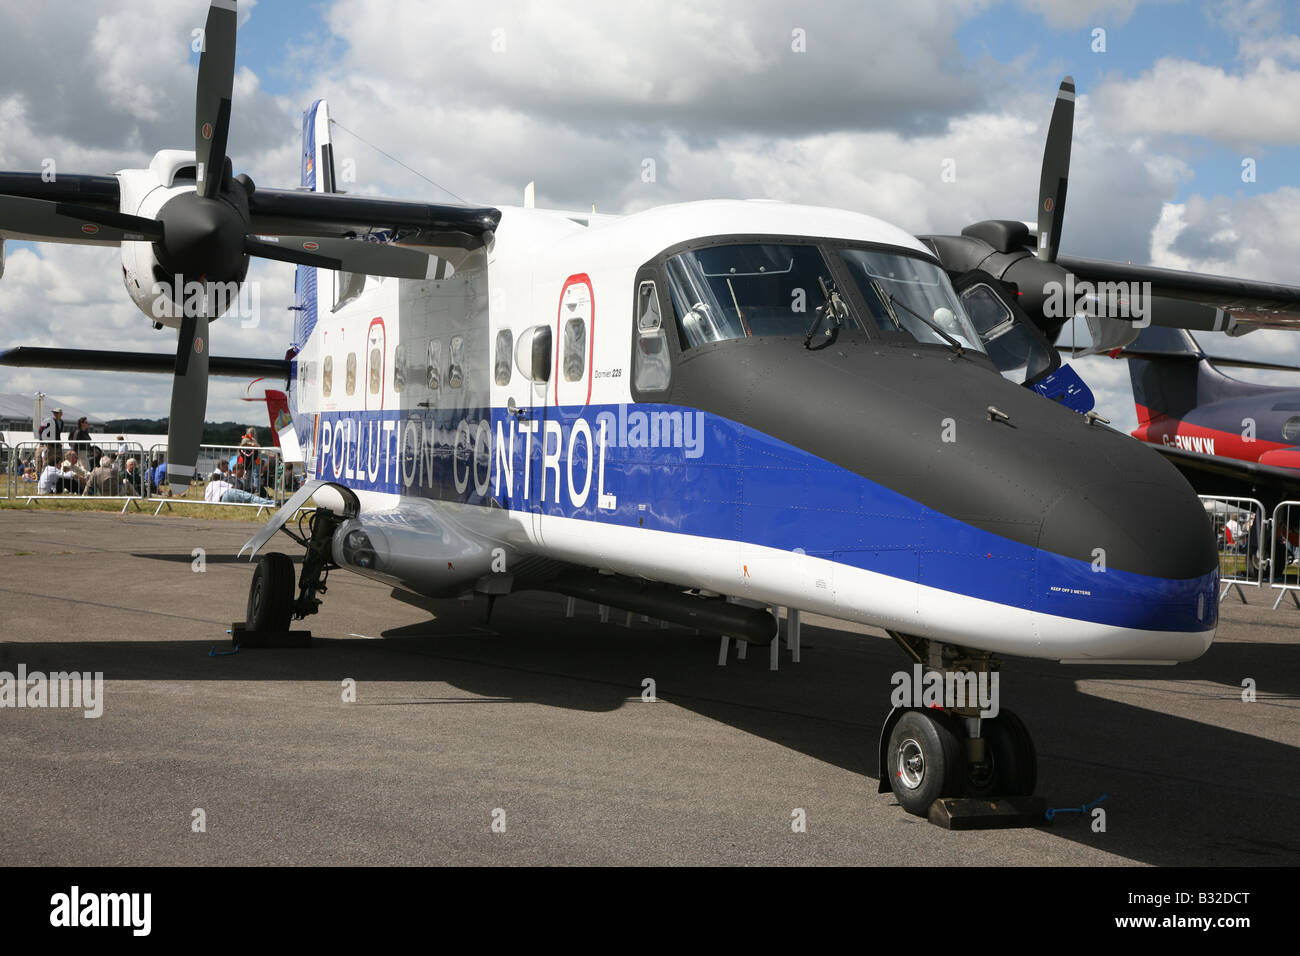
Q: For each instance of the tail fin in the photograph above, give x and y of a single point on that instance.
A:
(1171, 375)
(317, 175)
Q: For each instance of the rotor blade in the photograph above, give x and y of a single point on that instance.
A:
(189, 401)
(1056, 172)
(70, 222)
(107, 360)
(345, 255)
(212, 99)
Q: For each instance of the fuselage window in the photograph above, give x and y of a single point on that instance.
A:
(327, 377)
(399, 368)
(350, 382)
(456, 367)
(1291, 428)
(575, 350)
(433, 364)
(376, 372)
(505, 348)
(652, 370)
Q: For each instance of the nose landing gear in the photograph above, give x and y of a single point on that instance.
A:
(941, 746)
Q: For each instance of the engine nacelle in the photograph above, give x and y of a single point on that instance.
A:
(158, 293)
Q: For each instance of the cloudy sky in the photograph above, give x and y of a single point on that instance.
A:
(830, 102)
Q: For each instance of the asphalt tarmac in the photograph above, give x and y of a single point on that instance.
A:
(538, 722)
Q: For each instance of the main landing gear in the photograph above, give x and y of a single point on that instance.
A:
(274, 598)
(930, 751)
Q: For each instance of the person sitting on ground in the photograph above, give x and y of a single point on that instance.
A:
(103, 480)
(73, 468)
(56, 479)
(284, 477)
(239, 477)
(131, 479)
(29, 473)
(50, 481)
(219, 490)
(159, 473)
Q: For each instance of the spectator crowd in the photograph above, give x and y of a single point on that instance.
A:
(77, 465)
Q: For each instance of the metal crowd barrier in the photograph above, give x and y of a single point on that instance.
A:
(1240, 530)
(6, 467)
(1284, 556)
(111, 488)
(267, 480)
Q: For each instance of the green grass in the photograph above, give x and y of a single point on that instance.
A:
(147, 506)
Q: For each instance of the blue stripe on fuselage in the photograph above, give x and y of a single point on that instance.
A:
(675, 469)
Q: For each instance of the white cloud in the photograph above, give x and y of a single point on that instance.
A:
(1064, 14)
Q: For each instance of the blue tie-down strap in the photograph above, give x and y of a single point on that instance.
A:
(1083, 809)
(213, 652)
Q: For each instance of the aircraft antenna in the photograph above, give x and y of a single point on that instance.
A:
(334, 122)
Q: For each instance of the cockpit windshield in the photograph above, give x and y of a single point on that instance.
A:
(776, 289)
(903, 292)
(730, 292)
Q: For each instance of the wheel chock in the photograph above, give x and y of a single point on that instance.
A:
(240, 637)
(988, 813)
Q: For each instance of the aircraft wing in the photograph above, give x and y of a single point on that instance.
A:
(279, 212)
(1198, 301)
(1213, 475)
(107, 360)
(326, 215)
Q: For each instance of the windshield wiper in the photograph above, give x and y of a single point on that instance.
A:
(930, 323)
(833, 305)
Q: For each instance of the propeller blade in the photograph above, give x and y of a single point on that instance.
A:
(212, 99)
(345, 255)
(1056, 172)
(189, 401)
(68, 221)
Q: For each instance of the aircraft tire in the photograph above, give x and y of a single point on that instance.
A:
(270, 594)
(926, 760)
(1011, 769)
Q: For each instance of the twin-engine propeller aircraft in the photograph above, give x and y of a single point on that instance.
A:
(700, 412)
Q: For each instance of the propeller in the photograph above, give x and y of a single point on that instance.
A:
(61, 220)
(1056, 172)
(1003, 248)
(189, 399)
(206, 235)
(212, 98)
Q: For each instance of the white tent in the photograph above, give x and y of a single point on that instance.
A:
(16, 413)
